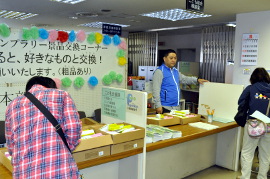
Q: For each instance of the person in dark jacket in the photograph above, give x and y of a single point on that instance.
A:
(259, 94)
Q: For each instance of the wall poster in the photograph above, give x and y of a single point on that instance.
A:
(249, 55)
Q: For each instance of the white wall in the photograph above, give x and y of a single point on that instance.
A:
(182, 41)
(256, 22)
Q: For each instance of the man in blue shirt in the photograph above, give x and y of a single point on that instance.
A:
(166, 84)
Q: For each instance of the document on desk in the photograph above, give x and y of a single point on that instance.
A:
(223, 120)
(261, 116)
(203, 125)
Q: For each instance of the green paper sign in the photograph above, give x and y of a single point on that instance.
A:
(114, 103)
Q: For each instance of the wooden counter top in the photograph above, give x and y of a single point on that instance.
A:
(188, 133)
(6, 174)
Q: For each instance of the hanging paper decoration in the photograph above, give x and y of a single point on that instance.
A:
(119, 78)
(29, 34)
(113, 75)
(107, 80)
(66, 82)
(116, 40)
(34, 32)
(93, 81)
(81, 36)
(62, 36)
(122, 61)
(26, 34)
(123, 45)
(4, 30)
(53, 35)
(121, 53)
(43, 33)
(72, 36)
(57, 82)
(79, 82)
(99, 38)
(107, 40)
(91, 38)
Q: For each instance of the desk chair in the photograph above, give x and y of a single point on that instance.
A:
(82, 114)
(2, 133)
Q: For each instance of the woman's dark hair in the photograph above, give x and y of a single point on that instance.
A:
(40, 80)
(168, 51)
(259, 75)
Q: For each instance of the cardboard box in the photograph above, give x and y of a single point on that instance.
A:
(92, 154)
(196, 118)
(163, 122)
(126, 146)
(127, 136)
(5, 161)
(94, 142)
(88, 121)
(151, 111)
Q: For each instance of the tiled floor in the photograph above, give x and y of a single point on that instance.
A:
(216, 172)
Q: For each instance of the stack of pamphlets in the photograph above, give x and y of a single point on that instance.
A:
(156, 133)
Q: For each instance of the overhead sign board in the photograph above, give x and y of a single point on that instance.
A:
(111, 29)
(195, 5)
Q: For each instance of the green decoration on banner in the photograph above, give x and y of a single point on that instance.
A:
(34, 32)
(119, 78)
(113, 75)
(79, 82)
(4, 30)
(91, 38)
(26, 34)
(107, 80)
(66, 82)
(121, 53)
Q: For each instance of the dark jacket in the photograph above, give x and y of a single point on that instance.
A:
(259, 94)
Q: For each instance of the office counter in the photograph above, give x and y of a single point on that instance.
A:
(190, 133)
(6, 174)
(196, 150)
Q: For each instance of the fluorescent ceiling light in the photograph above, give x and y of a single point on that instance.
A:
(170, 28)
(99, 24)
(68, 1)
(15, 15)
(231, 24)
(175, 14)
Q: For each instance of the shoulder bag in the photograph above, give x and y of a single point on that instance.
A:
(257, 128)
(49, 116)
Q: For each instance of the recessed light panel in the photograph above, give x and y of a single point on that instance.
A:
(231, 24)
(99, 24)
(175, 14)
(68, 1)
(15, 15)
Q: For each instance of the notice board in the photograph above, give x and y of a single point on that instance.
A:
(101, 57)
